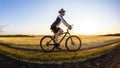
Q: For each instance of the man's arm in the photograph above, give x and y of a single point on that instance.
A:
(64, 22)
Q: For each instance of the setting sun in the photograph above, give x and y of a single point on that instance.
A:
(87, 29)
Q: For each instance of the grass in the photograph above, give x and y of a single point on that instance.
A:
(57, 56)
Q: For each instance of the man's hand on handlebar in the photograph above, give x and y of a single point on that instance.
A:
(70, 27)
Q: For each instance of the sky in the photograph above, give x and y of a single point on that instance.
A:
(34, 17)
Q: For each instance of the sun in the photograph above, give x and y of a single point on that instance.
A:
(86, 29)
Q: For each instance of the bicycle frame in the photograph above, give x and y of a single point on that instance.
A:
(65, 33)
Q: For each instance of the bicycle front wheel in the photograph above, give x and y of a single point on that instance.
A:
(47, 44)
(73, 43)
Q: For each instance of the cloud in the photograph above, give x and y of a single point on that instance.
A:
(3, 28)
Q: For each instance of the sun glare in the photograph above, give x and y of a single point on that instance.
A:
(86, 29)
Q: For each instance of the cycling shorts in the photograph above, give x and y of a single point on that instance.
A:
(55, 29)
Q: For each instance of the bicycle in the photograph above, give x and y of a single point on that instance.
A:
(73, 43)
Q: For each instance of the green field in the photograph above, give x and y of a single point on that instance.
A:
(33, 42)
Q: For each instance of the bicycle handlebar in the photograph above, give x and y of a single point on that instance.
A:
(68, 28)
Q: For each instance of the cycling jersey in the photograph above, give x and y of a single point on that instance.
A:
(58, 21)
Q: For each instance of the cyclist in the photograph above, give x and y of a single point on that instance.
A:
(55, 26)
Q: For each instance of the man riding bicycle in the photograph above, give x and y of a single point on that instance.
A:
(55, 26)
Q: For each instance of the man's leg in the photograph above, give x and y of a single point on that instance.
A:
(56, 37)
(56, 34)
(56, 41)
(60, 32)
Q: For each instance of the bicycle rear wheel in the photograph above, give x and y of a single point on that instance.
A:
(73, 43)
(47, 44)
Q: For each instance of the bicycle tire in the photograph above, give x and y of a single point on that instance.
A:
(45, 43)
(77, 39)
